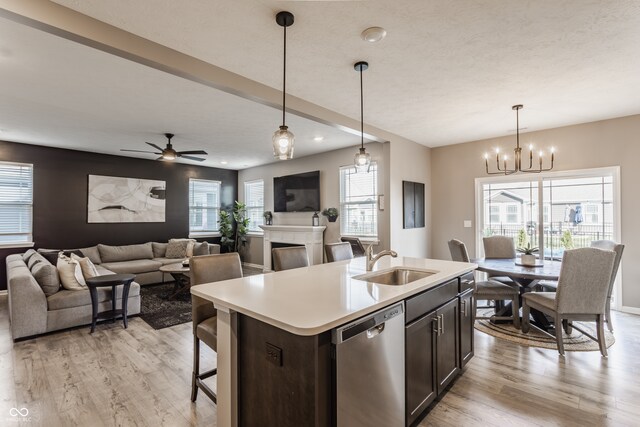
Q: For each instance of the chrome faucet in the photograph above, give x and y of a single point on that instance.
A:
(371, 259)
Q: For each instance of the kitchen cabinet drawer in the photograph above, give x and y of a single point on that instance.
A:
(466, 282)
(429, 300)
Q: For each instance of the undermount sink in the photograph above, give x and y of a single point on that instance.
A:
(395, 277)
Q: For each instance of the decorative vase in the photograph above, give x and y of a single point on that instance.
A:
(268, 221)
(332, 218)
(528, 259)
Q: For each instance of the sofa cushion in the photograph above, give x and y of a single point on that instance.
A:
(134, 266)
(179, 248)
(70, 299)
(125, 253)
(70, 274)
(86, 266)
(92, 253)
(47, 277)
(167, 261)
(51, 255)
(159, 249)
(27, 255)
(34, 259)
(201, 249)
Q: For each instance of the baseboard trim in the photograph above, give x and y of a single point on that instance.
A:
(630, 310)
(250, 265)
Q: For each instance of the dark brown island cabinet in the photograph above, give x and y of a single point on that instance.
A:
(289, 380)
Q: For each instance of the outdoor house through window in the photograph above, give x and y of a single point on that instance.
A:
(554, 211)
(358, 202)
(254, 199)
(204, 206)
(16, 203)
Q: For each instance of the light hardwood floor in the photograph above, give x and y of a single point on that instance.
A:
(141, 377)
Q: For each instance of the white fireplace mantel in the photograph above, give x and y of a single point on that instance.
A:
(309, 236)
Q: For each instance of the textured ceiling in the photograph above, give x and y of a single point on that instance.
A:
(63, 94)
(447, 72)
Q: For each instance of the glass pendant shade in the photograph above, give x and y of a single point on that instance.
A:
(283, 144)
(362, 160)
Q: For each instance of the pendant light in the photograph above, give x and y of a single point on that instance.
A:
(282, 138)
(362, 160)
(517, 155)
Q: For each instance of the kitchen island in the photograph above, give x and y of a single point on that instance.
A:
(274, 335)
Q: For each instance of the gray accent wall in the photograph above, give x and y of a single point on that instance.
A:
(604, 143)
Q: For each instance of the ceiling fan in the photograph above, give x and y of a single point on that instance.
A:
(168, 153)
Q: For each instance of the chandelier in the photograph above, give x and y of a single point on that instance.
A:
(517, 165)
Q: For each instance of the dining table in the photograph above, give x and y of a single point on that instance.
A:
(527, 278)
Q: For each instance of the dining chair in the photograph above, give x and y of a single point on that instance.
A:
(207, 269)
(618, 248)
(356, 246)
(338, 251)
(488, 290)
(499, 247)
(290, 257)
(583, 284)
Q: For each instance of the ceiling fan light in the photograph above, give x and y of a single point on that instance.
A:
(283, 141)
(168, 156)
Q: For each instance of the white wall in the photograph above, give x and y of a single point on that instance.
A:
(409, 161)
(329, 164)
(605, 143)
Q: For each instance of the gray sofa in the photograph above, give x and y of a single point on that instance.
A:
(36, 307)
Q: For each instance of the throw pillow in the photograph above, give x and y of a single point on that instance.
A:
(71, 274)
(34, 259)
(201, 249)
(88, 269)
(27, 255)
(159, 249)
(179, 248)
(50, 255)
(47, 277)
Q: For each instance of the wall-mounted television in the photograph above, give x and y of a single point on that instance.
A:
(297, 193)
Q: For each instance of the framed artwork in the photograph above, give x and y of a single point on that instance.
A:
(413, 204)
(117, 199)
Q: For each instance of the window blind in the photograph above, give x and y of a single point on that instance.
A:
(254, 199)
(358, 201)
(204, 205)
(16, 203)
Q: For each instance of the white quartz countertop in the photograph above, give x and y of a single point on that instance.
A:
(312, 300)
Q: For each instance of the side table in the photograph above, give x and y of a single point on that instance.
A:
(112, 280)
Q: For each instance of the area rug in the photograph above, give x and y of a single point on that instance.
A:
(159, 312)
(577, 341)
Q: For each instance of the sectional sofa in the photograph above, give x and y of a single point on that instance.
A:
(37, 305)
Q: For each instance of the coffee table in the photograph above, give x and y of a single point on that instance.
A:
(180, 273)
(112, 280)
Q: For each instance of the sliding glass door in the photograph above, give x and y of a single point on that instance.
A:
(553, 211)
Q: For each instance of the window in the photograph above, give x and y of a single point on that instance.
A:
(512, 214)
(495, 214)
(358, 202)
(16, 203)
(204, 206)
(591, 214)
(254, 199)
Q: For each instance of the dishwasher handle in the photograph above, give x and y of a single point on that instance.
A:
(376, 330)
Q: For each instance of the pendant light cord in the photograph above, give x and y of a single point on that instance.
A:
(518, 128)
(361, 111)
(284, 76)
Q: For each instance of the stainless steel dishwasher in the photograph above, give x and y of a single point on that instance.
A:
(369, 363)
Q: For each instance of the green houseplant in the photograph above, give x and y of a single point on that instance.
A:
(331, 214)
(242, 225)
(226, 230)
(528, 257)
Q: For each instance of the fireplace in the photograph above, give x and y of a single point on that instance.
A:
(293, 235)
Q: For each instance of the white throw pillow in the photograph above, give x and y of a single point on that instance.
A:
(88, 268)
(71, 274)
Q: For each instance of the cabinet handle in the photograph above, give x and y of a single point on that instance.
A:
(436, 326)
(442, 323)
(464, 308)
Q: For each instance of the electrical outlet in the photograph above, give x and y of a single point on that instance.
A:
(467, 223)
(274, 354)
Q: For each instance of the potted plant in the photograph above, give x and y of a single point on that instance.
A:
(528, 257)
(242, 225)
(226, 230)
(331, 214)
(268, 217)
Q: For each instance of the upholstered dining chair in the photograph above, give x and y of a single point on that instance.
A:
(338, 251)
(356, 245)
(499, 247)
(581, 296)
(618, 248)
(288, 258)
(488, 290)
(207, 269)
